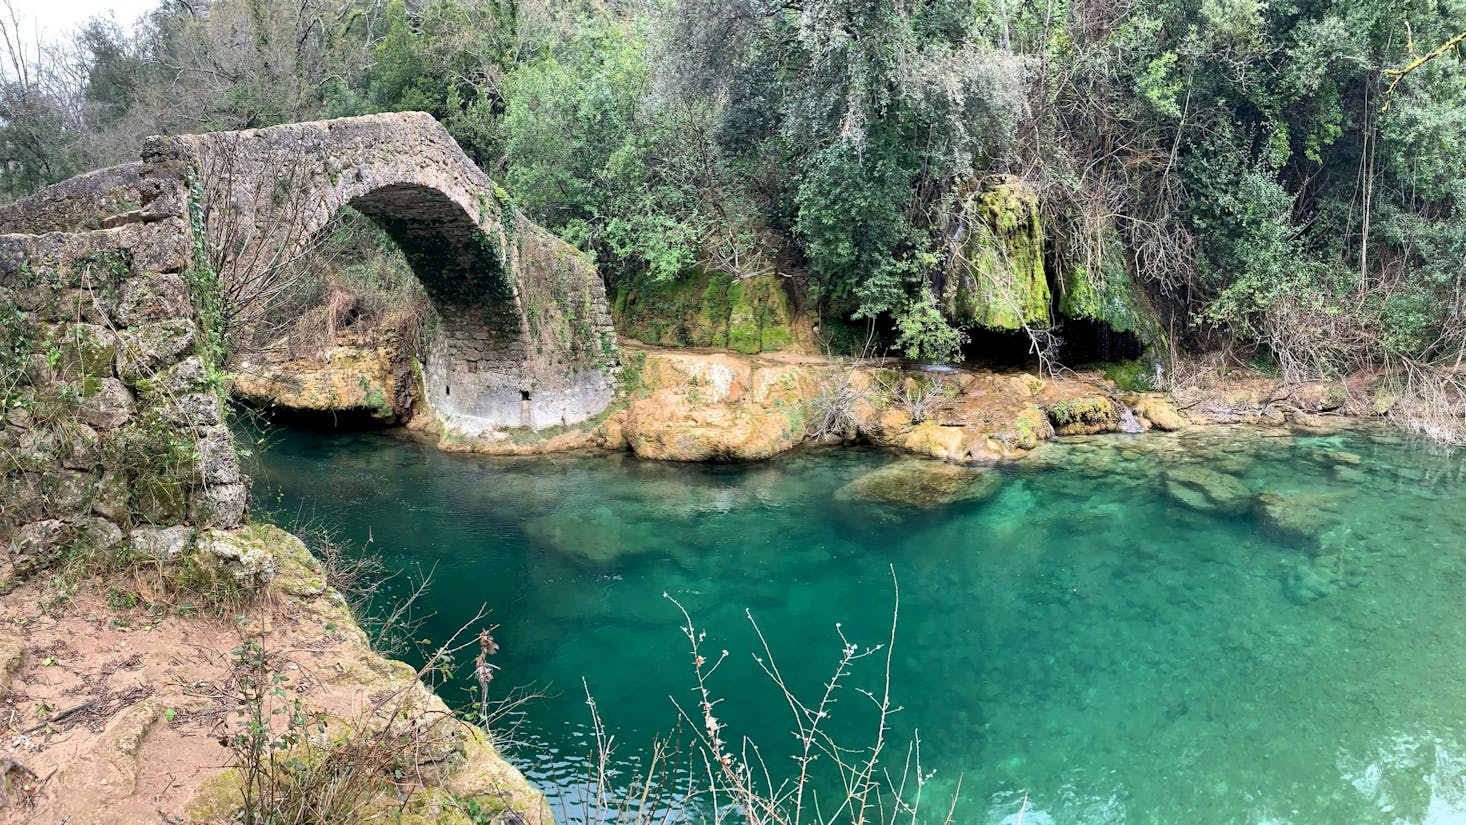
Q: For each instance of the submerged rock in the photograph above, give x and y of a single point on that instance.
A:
(1207, 490)
(1301, 517)
(598, 536)
(1320, 577)
(923, 484)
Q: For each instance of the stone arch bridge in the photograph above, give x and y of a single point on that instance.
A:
(110, 264)
(523, 337)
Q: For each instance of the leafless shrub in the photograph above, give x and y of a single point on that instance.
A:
(731, 781)
(260, 224)
(295, 769)
(831, 412)
(918, 395)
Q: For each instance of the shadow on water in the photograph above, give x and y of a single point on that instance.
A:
(1207, 627)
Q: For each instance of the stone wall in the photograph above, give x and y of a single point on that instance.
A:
(112, 422)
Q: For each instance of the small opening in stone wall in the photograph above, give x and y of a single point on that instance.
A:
(447, 390)
(524, 395)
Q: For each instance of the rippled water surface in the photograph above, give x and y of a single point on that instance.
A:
(1120, 633)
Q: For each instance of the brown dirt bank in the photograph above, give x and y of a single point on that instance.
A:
(117, 697)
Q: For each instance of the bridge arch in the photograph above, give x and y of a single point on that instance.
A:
(523, 335)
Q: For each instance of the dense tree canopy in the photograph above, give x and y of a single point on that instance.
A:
(1286, 175)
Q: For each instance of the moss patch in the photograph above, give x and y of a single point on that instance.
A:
(706, 308)
(1083, 416)
(997, 280)
(1106, 293)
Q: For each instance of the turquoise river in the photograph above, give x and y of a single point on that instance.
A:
(1097, 642)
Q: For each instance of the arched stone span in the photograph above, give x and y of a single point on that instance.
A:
(524, 336)
(110, 271)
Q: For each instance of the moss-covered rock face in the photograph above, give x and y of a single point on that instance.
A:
(997, 280)
(1105, 292)
(705, 308)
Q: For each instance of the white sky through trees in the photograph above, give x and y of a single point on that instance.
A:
(56, 19)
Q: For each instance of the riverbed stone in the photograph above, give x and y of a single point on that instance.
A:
(1320, 577)
(1207, 490)
(923, 484)
(598, 536)
(1302, 517)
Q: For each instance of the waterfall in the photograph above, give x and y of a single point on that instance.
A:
(1128, 422)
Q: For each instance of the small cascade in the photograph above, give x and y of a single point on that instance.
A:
(1128, 422)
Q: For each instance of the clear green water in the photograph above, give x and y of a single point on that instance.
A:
(1082, 638)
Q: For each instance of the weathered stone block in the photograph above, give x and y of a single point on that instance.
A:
(78, 446)
(97, 534)
(199, 409)
(20, 500)
(36, 544)
(153, 297)
(157, 500)
(67, 494)
(33, 450)
(105, 404)
(110, 497)
(162, 246)
(220, 505)
(217, 463)
(187, 376)
(145, 350)
(251, 562)
(81, 350)
(161, 542)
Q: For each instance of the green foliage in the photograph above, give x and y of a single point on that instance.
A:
(571, 120)
(1131, 376)
(447, 58)
(852, 221)
(1255, 167)
(924, 335)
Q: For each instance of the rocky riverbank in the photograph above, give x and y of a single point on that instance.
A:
(691, 404)
(119, 697)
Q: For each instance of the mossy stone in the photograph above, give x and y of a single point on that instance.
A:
(998, 280)
(708, 308)
(1106, 293)
(1084, 416)
(83, 351)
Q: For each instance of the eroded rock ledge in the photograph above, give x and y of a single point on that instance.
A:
(714, 405)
